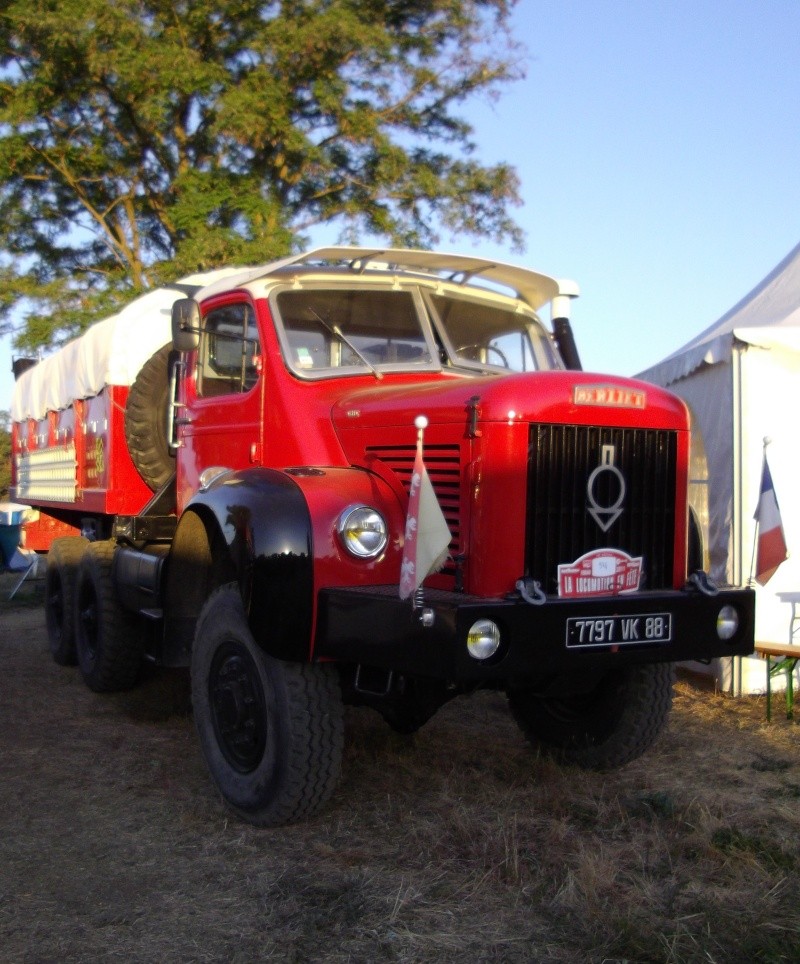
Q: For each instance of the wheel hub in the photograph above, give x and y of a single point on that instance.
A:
(237, 707)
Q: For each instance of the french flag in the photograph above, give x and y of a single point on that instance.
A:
(771, 541)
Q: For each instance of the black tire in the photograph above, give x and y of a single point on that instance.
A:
(411, 709)
(605, 728)
(61, 577)
(146, 420)
(271, 731)
(109, 641)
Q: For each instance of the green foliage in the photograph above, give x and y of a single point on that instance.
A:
(141, 140)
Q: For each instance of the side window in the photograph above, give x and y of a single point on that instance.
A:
(229, 354)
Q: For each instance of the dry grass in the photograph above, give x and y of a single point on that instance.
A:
(456, 845)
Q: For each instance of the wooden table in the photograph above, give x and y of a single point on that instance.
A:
(780, 657)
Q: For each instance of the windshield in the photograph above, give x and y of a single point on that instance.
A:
(327, 331)
(485, 334)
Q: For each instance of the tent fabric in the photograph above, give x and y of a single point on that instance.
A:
(713, 423)
(739, 378)
(770, 311)
(111, 352)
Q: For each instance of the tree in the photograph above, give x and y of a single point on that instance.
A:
(141, 140)
(5, 454)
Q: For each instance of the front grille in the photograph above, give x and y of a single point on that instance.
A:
(443, 463)
(560, 527)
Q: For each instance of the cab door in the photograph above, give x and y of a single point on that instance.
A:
(219, 420)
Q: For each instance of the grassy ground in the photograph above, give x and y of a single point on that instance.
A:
(458, 844)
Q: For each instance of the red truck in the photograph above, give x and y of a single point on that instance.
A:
(223, 476)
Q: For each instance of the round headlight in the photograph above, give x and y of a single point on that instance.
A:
(727, 622)
(483, 639)
(362, 531)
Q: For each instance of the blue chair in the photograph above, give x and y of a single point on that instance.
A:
(12, 557)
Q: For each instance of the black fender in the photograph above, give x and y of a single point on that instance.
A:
(696, 547)
(253, 527)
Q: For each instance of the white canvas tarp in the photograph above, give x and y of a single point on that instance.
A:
(111, 352)
(740, 378)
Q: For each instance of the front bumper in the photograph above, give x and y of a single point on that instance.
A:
(373, 627)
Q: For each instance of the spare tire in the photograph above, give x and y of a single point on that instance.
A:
(146, 420)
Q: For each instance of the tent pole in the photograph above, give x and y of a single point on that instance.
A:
(737, 517)
(737, 513)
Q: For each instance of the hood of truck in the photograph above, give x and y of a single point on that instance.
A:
(564, 397)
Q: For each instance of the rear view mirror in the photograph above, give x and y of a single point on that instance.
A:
(185, 324)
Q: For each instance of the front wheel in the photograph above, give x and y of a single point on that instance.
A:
(609, 726)
(271, 731)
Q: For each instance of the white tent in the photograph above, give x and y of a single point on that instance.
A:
(741, 380)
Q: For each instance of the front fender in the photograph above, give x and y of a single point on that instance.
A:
(261, 523)
(275, 532)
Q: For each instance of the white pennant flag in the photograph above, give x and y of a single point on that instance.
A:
(427, 537)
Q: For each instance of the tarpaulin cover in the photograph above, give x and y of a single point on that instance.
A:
(111, 352)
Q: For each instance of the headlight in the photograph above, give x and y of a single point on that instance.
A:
(727, 622)
(483, 639)
(362, 531)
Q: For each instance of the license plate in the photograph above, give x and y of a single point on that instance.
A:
(588, 631)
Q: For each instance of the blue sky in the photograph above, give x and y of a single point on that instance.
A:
(658, 144)
(658, 147)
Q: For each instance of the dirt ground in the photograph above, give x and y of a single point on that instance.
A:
(458, 844)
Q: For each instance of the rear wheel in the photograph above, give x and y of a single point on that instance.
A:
(607, 727)
(61, 577)
(271, 731)
(108, 639)
(411, 708)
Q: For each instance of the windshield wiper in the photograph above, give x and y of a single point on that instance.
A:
(337, 331)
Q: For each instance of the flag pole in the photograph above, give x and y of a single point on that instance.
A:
(420, 423)
(427, 536)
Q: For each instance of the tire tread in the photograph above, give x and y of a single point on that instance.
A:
(647, 701)
(307, 696)
(63, 562)
(145, 420)
(120, 646)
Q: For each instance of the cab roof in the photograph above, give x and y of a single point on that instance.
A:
(529, 286)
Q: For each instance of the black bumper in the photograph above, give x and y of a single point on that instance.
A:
(373, 627)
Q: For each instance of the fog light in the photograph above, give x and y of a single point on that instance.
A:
(727, 622)
(483, 639)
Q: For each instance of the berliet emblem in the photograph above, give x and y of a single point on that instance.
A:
(606, 515)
